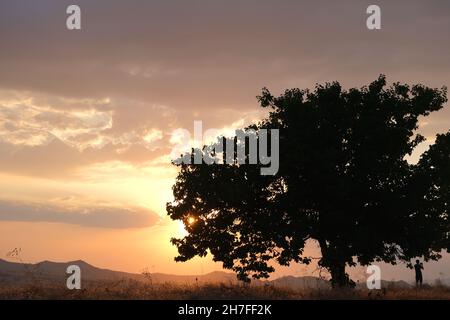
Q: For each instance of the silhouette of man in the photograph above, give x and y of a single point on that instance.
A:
(418, 267)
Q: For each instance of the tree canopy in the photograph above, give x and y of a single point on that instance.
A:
(343, 181)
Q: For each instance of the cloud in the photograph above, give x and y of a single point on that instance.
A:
(164, 64)
(101, 216)
(52, 136)
(24, 123)
(59, 160)
(202, 55)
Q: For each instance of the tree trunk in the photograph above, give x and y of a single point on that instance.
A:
(335, 264)
(339, 278)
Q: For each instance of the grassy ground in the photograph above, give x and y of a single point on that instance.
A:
(143, 291)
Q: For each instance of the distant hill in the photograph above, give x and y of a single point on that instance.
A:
(13, 273)
(18, 273)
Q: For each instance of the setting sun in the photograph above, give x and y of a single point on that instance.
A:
(191, 221)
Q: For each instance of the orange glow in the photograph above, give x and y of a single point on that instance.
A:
(191, 221)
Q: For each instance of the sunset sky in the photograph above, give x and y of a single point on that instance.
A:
(87, 117)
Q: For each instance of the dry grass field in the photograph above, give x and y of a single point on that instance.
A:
(129, 289)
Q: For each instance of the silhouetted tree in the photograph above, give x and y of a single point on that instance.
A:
(343, 181)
